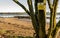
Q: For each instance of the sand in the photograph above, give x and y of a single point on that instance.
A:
(17, 27)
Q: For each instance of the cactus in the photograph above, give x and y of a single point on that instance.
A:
(39, 17)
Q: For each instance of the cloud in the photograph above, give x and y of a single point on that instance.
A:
(10, 6)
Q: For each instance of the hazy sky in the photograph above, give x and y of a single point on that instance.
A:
(10, 6)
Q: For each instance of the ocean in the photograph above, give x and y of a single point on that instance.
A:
(8, 15)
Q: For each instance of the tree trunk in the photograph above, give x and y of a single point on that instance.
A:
(42, 18)
(42, 23)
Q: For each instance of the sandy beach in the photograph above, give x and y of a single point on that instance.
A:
(17, 27)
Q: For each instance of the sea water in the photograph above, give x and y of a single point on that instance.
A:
(48, 19)
(24, 14)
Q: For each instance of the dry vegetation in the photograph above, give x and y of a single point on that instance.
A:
(17, 27)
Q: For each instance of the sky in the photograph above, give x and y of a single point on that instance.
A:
(10, 6)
